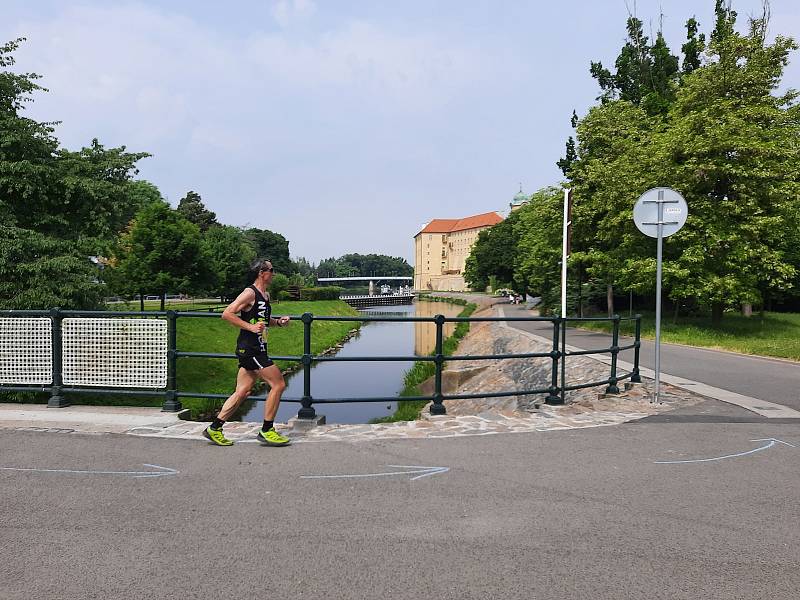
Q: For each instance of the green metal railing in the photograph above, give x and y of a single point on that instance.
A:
(555, 392)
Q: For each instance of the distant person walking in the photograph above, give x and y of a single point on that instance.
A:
(251, 312)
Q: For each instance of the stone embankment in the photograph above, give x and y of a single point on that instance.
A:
(505, 375)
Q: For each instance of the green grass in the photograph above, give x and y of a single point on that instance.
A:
(217, 376)
(776, 334)
(409, 410)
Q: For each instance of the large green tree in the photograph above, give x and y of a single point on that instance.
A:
(57, 208)
(273, 247)
(192, 208)
(733, 149)
(161, 252)
(494, 253)
(230, 254)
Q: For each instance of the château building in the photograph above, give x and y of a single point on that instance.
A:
(441, 250)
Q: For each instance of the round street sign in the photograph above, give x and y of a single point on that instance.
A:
(660, 201)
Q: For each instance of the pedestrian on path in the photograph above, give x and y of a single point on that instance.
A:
(251, 312)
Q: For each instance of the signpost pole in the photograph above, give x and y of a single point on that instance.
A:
(648, 213)
(660, 244)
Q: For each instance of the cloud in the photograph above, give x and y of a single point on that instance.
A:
(319, 122)
(285, 12)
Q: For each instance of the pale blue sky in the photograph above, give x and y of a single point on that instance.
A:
(345, 126)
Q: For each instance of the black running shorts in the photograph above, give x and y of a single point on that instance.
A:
(255, 362)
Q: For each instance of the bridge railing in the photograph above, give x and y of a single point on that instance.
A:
(133, 353)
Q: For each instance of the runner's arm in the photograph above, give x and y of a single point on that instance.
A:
(242, 302)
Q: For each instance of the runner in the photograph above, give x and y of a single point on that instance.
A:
(251, 312)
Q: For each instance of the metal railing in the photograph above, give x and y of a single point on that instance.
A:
(555, 391)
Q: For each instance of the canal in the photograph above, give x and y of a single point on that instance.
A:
(365, 379)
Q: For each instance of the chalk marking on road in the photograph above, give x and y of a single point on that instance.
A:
(772, 442)
(165, 471)
(424, 472)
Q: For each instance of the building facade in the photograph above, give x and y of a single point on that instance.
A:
(441, 250)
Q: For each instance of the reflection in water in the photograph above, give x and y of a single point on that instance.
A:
(365, 379)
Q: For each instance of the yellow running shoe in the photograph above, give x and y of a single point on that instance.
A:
(272, 438)
(217, 437)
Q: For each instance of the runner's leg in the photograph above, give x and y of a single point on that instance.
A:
(274, 378)
(244, 383)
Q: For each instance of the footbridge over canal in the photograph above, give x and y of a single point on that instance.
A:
(385, 297)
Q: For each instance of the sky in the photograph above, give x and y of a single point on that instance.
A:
(345, 126)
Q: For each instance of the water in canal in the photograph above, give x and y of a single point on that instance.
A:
(365, 379)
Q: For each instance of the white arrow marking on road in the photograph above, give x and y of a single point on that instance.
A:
(772, 442)
(425, 472)
(163, 472)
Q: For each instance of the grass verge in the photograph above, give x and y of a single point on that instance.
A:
(774, 334)
(408, 410)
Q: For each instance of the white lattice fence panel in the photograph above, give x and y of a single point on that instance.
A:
(114, 352)
(26, 351)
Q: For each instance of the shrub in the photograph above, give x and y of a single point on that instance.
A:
(320, 293)
(280, 282)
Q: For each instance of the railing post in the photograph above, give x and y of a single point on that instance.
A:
(612, 386)
(56, 399)
(171, 402)
(635, 377)
(437, 408)
(553, 397)
(306, 411)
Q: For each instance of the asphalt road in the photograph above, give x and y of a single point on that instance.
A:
(763, 378)
(563, 514)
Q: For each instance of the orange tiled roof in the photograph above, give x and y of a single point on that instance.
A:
(451, 225)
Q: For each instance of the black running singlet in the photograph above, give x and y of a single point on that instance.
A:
(248, 342)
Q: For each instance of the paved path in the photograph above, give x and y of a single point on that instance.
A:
(772, 380)
(549, 515)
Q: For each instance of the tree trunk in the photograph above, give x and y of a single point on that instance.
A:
(716, 313)
(580, 294)
(747, 309)
(675, 314)
(610, 299)
(163, 300)
(141, 301)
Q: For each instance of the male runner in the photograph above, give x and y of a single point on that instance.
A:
(251, 313)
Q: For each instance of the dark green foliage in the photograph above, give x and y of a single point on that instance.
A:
(230, 254)
(694, 46)
(494, 253)
(364, 265)
(645, 74)
(280, 283)
(192, 208)
(58, 208)
(38, 271)
(161, 252)
(321, 293)
(273, 247)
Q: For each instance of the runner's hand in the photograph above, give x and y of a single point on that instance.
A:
(283, 321)
(257, 327)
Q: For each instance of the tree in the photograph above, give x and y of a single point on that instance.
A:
(494, 254)
(192, 208)
(537, 226)
(693, 48)
(733, 148)
(230, 254)
(57, 207)
(645, 74)
(38, 271)
(273, 247)
(161, 252)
